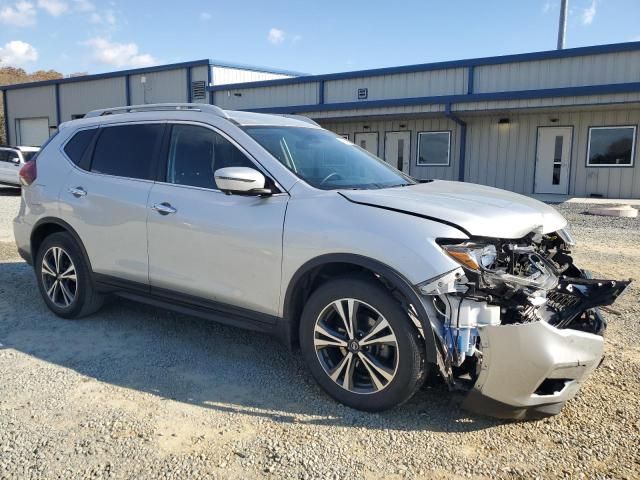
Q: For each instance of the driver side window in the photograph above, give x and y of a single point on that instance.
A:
(195, 153)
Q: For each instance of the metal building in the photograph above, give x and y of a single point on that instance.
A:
(554, 122)
(33, 111)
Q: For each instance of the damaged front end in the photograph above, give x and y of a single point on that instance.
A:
(518, 324)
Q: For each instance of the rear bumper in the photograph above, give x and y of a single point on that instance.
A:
(530, 370)
(22, 234)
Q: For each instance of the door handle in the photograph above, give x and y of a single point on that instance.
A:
(78, 192)
(164, 208)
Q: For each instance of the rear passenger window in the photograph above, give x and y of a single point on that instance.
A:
(78, 144)
(195, 153)
(127, 150)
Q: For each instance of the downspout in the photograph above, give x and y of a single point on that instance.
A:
(463, 140)
(189, 91)
(6, 117)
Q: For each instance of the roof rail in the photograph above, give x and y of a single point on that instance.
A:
(159, 107)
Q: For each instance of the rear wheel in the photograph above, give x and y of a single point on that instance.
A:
(64, 278)
(360, 344)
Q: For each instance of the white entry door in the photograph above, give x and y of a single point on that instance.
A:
(553, 159)
(33, 132)
(368, 141)
(397, 148)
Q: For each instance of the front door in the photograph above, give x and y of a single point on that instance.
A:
(223, 249)
(553, 160)
(397, 150)
(368, 141)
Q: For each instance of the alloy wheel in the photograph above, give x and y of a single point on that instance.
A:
(356, 346)
(59, 277)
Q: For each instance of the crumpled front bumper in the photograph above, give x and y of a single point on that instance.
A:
(517, 359)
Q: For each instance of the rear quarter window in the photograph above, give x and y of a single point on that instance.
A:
(77, 146)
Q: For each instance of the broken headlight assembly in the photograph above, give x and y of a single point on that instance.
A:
(504, 281)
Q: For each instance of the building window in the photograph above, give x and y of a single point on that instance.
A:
(434, 149)
(611, 146)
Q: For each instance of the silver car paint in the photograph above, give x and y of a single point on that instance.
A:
(517, 358)
(480, 210)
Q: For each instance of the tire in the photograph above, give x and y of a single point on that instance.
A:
(65, 300)
(400, 359)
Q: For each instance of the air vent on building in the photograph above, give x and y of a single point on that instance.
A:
(198, 90)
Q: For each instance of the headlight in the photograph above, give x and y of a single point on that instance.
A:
(472, 256)
(567, 236)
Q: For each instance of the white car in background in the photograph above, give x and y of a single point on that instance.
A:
(11, 161)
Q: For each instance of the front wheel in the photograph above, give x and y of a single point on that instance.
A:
(360, 344)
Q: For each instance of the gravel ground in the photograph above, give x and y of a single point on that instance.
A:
(138, 392)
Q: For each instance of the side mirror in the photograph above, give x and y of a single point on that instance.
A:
(16, 160)
(241, 181)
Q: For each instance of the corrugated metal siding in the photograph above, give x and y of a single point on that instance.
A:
(549, 102)
(79, 98)
(420, 84)
(414, 126)
(574, 71)
(30, 103)
(225, 75)
(166, 86)
(276, 96)
(362, 112)
(503, 156)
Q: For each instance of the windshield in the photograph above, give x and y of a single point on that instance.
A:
(326, 160)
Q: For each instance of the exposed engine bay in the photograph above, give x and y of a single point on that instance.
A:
(510, 282)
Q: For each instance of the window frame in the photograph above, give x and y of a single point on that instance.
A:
(434, 132)
(163, 165)
(611, 165)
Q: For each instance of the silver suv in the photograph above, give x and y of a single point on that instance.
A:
(275, 224)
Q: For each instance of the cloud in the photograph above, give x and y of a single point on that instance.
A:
(54, 7)
(17, 52)
(548, 6)
(105, 18)
(276, 36)
(589, 14)
(84, 6)
(205, 16)
(118, 54)
(21, 14)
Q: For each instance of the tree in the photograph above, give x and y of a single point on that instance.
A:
(12, 75)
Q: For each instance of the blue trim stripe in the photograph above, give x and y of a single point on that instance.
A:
(474, 97)
(57, 94)
(127, 89)
(99, 76)
(424, 67)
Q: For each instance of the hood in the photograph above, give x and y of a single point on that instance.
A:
(477, 209)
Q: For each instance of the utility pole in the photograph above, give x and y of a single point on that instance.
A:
(562, 24)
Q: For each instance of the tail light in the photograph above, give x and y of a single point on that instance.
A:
(28, 173)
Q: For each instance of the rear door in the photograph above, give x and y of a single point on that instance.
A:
(105, 197)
